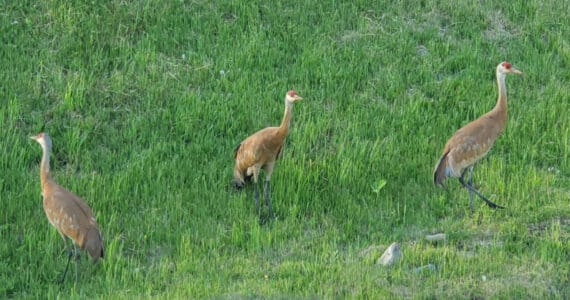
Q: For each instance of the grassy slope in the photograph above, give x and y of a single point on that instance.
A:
(146, 101)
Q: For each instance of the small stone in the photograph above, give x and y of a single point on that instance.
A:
(428, 267)
(422, 50)
(435, 237)
(390, 256)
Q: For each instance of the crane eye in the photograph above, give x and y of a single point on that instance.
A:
(507, 65)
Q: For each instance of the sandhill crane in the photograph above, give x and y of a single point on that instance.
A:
(67, 213)
(259, 151)
(474, 140)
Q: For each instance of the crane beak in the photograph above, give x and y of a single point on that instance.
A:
(516, 71)
(297, 97)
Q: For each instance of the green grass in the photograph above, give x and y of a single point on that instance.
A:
(146, 100)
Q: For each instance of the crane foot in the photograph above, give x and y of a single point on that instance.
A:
(472, 189)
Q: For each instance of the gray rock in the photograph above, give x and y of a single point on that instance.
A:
(390, 256)
(435, 237)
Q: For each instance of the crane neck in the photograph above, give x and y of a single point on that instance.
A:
(502, 90)
(44, 166)
(284, 127)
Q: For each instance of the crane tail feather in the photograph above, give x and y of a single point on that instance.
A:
(236, 150)
(439, 174)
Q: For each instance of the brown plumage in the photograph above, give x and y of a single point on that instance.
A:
(474, 140)
(260, 150)
(68, 213)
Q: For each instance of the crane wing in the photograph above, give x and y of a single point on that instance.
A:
(72, 205)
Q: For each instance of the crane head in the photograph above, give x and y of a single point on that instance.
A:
(506, 67)
(43, 139)
(292, 96)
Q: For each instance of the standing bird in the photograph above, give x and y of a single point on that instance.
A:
(68, 213)
(259, 151)
(474, 140)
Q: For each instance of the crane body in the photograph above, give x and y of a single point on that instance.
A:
(473, 141)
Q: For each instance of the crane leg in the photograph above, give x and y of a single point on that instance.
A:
(75, 259)
(470, 182)
(254, 172)
(267, 200)
(468, 186)
(256, 197)
(69, 255)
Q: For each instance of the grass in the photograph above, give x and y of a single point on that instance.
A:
(146, 100)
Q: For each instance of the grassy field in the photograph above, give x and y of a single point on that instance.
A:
(146, 100)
